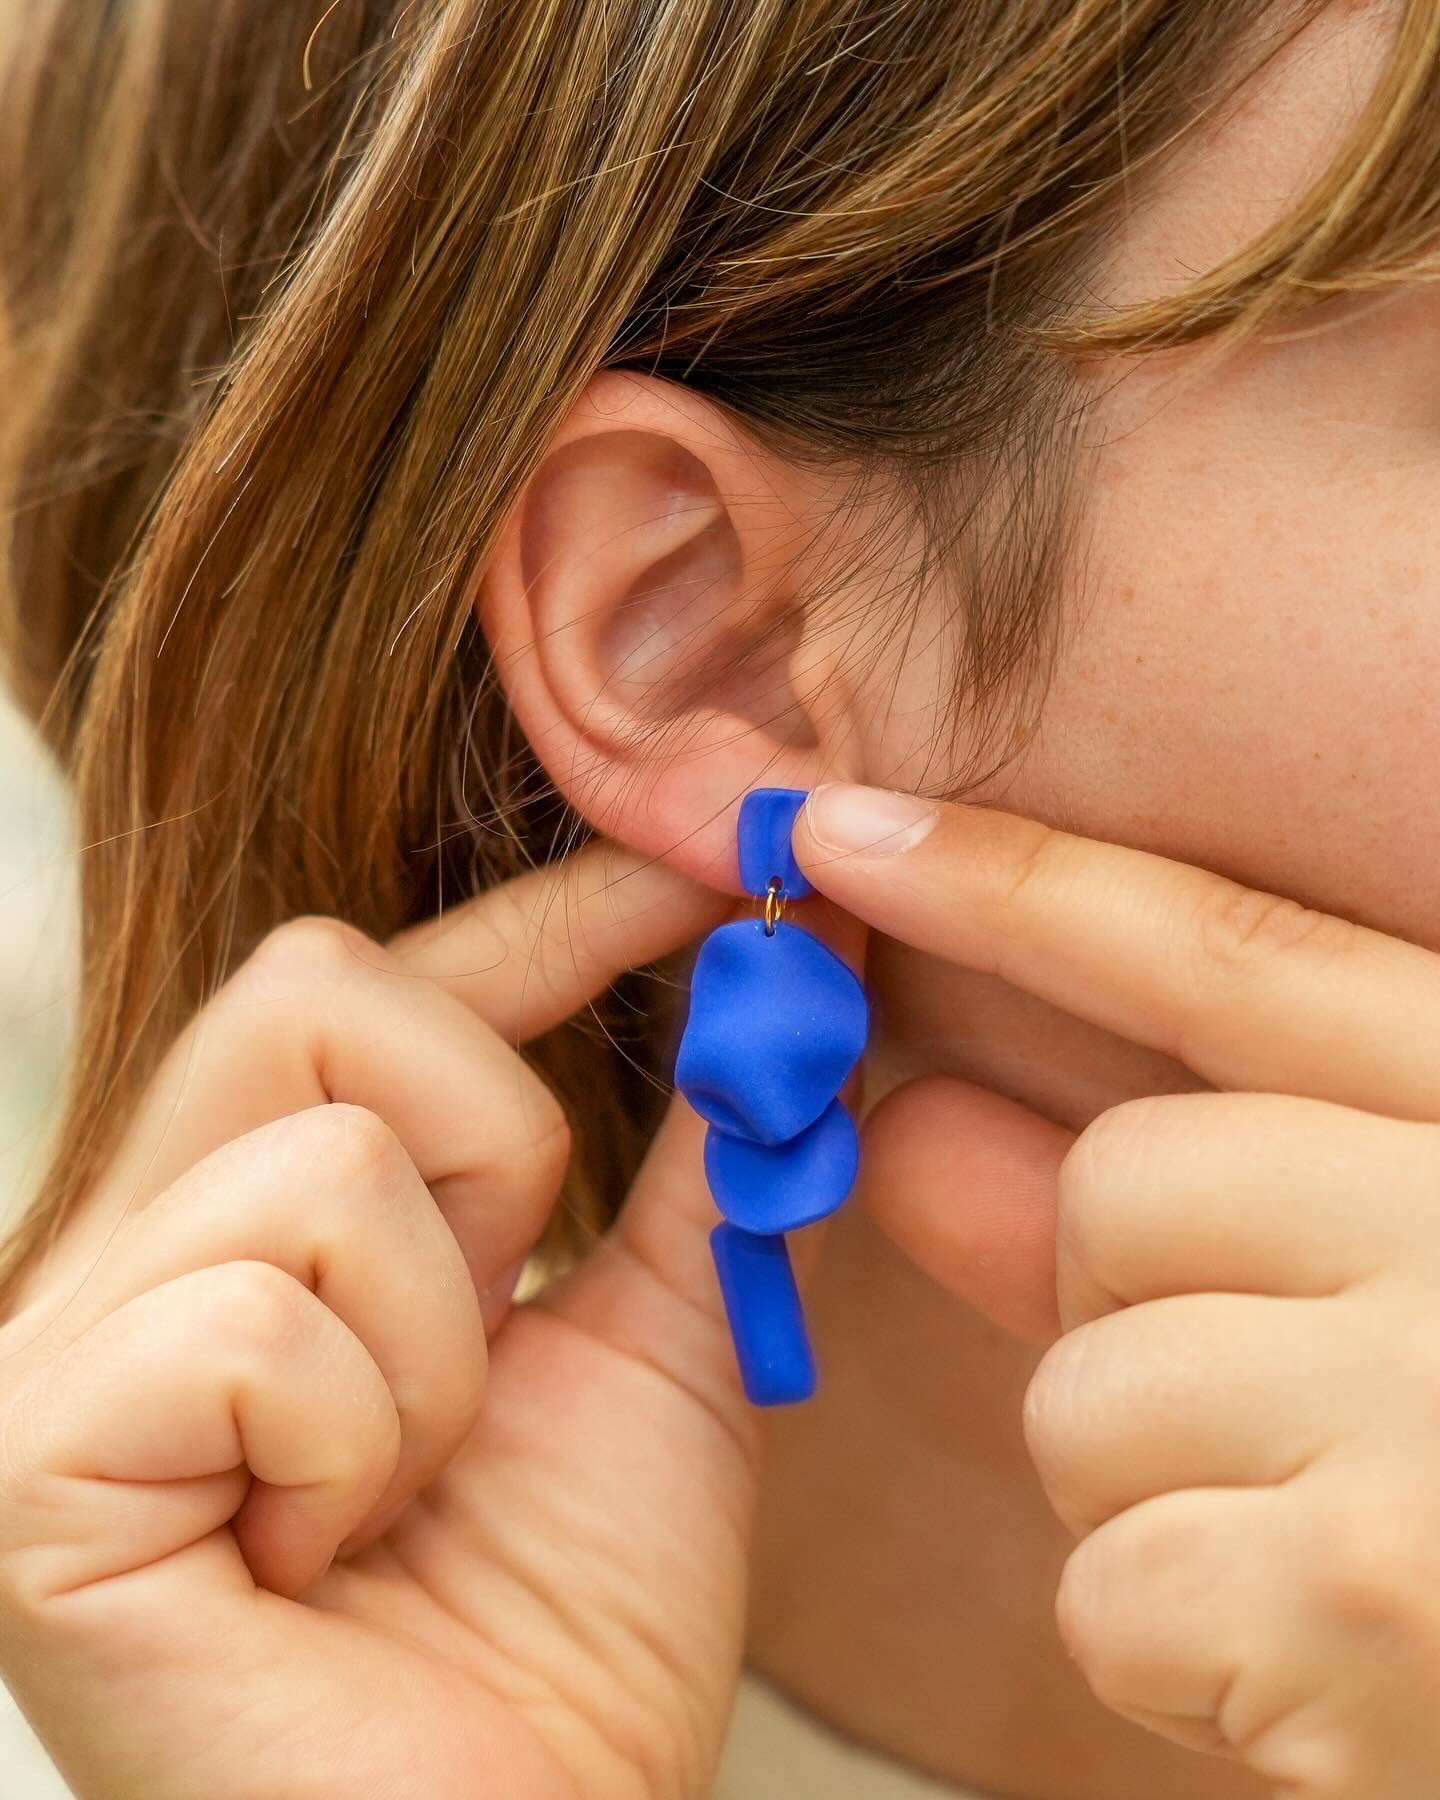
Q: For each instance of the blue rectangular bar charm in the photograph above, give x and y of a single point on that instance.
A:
(767, 817)
(762, 1304)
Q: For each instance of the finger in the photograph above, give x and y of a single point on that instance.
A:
(1199, 1390)
(1248, 990)
(1252, 1193)
(321, 1014)
(135, 1434)
(531, 952)
(1180, 1614)
(330, 1199)
(964, 1181)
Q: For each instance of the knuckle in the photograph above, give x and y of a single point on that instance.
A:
(1317, 1757)
(1034, 865)
(354, 1146)
(1099, 1169)
(365, 1455)
(254, 1307)
(1379, 1570)
(1242, 931)
(520, 1151)
(458, 1399)
(33, 1522)
(1106, 1607)
(552, 1141)
(309, 948)
(1046, 1402)
(1084, 1620)
(1052, 1422)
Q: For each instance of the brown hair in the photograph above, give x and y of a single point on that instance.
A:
(293, 298)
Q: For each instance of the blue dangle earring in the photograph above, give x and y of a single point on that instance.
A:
(777, 1023)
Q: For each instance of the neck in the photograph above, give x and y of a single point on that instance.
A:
(906, 1558)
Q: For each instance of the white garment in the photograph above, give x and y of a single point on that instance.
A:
(26, 1772)
(776, 1751)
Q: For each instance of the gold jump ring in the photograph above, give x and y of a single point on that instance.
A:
(774, 906)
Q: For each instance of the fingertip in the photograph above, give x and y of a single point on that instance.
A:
(526, 954)
(645, 895)
(964, 1181)
(845, 820)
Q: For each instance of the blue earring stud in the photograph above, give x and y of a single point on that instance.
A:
(777, 1023)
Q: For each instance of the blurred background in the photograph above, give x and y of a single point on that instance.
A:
(37, 939)
(37, 948)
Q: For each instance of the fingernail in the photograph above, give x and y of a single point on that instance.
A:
(495, 1301)
(867, 821)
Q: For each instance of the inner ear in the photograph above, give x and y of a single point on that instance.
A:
(656, 611)
(689, 637)
(655, 647)
(649, 607)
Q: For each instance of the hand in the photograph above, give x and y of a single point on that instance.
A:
(275, 1349)
(1241, 1417)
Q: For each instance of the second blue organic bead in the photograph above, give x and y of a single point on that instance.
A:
(780, 1187)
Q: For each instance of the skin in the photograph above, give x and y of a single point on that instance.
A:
(1235, 1412)
(1254, 592)
(271, 1334)
(1247, 687)
(1038, 1282)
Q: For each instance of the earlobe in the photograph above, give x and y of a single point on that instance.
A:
(647, 610)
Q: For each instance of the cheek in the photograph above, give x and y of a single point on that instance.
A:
(1252, 672)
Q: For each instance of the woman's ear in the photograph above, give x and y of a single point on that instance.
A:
(652, 610)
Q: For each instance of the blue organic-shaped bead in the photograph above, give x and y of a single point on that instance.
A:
(762, 1304)
(767, 818)
(777, 1022)
(780, 1187)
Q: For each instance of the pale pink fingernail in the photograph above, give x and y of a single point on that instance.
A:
(866, 821)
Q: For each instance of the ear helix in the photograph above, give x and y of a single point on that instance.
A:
(777, 1023)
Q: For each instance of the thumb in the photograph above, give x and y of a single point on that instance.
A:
(964, 1182)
